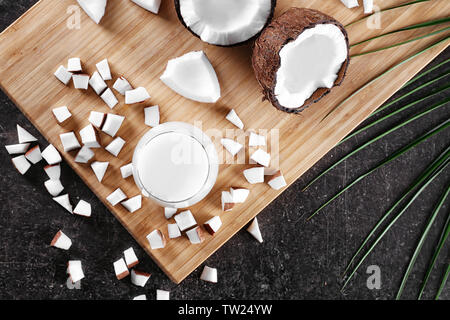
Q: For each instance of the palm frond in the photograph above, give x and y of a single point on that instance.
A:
(394, 220)
(389, 70)
(421, 242)
(417, 116)
(423, 176)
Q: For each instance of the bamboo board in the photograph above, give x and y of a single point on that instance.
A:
(138, 45)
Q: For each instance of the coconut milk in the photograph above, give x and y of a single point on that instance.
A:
(174, 166)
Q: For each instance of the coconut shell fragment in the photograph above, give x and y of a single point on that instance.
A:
(266, 58)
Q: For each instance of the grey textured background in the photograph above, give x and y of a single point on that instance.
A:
(298, 260)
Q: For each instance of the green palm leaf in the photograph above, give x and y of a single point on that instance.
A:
(423, 74)
(444, 280)
(388, 227)
(394, 67)
(424, 175)
(444, 235)
(417, 116)
(401, 43)
(392, 157)
(411, 27)
(421, 242)
(409, 105)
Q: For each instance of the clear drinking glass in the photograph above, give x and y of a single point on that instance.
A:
(175, 164)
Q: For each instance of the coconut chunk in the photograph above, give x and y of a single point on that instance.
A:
(24, 136)
(261, 157)
(152, 116)
(239, 195)
(109, 98)
(140, 297)
(185, 220)
(80, 81)
(193, 77)
(17, 148)
(63, 75)
(225, 23)
(61, 241)
(61, 114)
(51, 155)
(54, 187)
(256, 140)
(227, 201)
(122, 85)
(173, 230)
(74, 65)
(277, 181)
(254, 175)
(89, 137)
(34, 155)
(209, 274)
(116, 197)
(137, 95)
(232, 146)
(133, 204)
(95, 9)
(115, 146)
(234, 119)
(350, 3)
(75, 270)
(156, 239)
(97, 119)
(69, 141)
(84, 155)
(368, 6)
(130, 258)
(104, 70)
(21, 163)
(169, 212)
(299, 57)
(64, 202)
(139, 278)
(195, 235)
(112, 124)
(149, 5)
(213, 225)
(126, 170)
(253, 229)
(120, 268)
(83, 208)
(97, 83)
(53, 171)
(99, 169)
(162, 294)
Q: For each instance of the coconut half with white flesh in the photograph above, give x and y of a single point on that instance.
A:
(225, 22)
(300, 57)
(193, 77)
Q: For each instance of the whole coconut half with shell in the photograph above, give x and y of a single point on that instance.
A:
(299, 57)
(225, 23)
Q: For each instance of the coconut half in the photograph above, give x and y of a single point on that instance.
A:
(193, 77)
(225, 22)
(299, 57)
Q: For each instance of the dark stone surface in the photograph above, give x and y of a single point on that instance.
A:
(298, 260)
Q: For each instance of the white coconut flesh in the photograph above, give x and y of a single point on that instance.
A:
(225, 22)
(193, 77)
(310, 62)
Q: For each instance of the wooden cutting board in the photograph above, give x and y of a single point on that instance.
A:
(138, 45)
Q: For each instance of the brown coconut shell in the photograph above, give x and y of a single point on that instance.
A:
(269, 19)
(282, 30)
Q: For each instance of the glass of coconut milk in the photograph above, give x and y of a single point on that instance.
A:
(175, 164)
